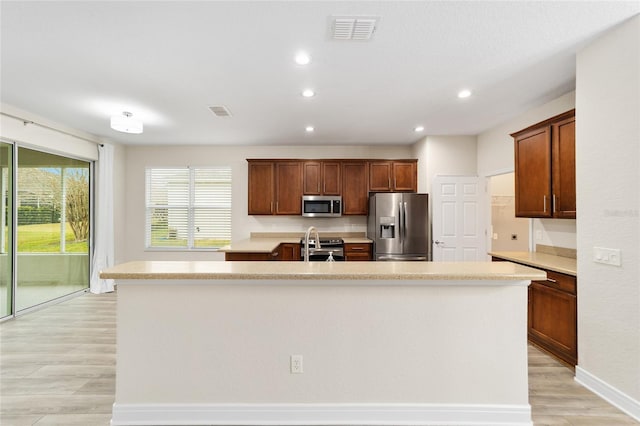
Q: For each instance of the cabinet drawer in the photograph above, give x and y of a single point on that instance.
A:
(560, 281)
(357, 248)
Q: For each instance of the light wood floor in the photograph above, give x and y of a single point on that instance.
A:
(57, 367)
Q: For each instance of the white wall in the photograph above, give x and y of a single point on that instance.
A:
(444, 155)
(138, 158)
(496, 156)
(608, 190)
(504, 223)
(495, 146)
(34, 136)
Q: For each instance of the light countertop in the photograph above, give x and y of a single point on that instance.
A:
(212, 270)
(268, 244)
(564, 265)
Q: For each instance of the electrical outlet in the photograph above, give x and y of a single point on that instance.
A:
(296, 364)
(608, 256)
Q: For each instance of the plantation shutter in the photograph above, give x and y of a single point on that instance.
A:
(188, 207)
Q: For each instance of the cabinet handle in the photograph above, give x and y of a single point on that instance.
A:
(554, 203)
(275, 254)
(356, 248)
(544, 205)
(271, 207)
(551, 280)
(277, 206)
(389, 182)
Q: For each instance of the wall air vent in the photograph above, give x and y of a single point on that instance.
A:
(220, 111)
(353, 27)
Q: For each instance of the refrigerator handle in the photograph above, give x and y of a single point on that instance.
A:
(404, 218)
(400, 223)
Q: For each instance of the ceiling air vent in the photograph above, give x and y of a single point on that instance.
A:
(220, 111)
(353, 27)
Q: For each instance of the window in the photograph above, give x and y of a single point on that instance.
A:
(188, 208)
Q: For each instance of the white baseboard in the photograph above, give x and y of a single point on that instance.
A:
(608, 393)
(320, 414)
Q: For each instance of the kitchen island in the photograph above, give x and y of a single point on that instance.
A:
(384, 343)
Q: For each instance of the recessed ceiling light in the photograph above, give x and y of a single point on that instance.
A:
(308, 93)
(309, 129)
(302, 58)
(464, 93)
(418, 129)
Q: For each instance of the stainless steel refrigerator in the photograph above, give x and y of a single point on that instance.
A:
(398, 225)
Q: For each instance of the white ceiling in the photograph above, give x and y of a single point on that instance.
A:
(78, 63)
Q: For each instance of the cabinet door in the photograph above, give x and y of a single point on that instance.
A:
(533, 173)
(552, 321)
(321, 178)
(380, 176)
(405, 176)
(312, 172)
(287, 252)
(355, 180)
(331, 182)
(289, 188)
(261, 194)
(564, 168)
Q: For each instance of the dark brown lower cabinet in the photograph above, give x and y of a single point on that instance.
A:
(247, 256)
(552, 323)
(285, 251)
(357, 251)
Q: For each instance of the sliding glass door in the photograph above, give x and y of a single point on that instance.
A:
(6, 237)
(53, 227)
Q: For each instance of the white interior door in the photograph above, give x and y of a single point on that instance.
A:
(459, 207)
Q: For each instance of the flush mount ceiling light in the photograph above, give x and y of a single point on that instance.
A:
(308, 93)
(309, 129)
(464, 93)
(302, 58)
(418, 129)
(126, 124)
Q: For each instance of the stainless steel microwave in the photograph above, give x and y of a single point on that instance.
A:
(321, 205)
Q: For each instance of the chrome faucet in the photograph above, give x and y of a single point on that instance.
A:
(306, 241)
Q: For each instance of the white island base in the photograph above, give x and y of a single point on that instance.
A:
(400, 350)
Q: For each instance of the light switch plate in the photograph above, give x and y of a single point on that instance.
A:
(608, 256)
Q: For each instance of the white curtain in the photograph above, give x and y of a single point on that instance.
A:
(103, 251)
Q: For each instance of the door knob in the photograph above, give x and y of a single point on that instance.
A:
(436, 242)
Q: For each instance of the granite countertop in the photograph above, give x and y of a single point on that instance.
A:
(363, 271)
(266, 244)
(564, 265)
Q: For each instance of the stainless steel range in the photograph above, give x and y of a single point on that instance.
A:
(329, 248)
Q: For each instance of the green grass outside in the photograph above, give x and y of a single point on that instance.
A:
(45, 238)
